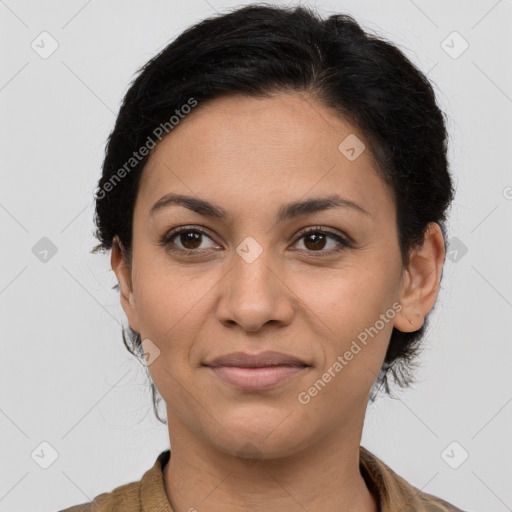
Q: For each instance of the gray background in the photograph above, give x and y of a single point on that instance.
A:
(66, 378)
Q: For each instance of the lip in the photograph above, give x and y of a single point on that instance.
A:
(255, 379)
(260, 360)
(253, 372)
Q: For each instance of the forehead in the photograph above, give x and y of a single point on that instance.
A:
(262, 147)
(290, 125)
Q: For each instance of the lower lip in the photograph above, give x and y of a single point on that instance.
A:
(254, 379)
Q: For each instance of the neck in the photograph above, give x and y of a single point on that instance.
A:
(322, 477)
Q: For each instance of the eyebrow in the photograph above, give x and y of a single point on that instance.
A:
(286, 211)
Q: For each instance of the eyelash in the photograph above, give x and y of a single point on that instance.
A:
(167, 239)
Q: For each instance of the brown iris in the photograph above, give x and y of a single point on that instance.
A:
(318, 241)
(191, 237)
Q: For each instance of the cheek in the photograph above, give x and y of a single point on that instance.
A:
(168, 306)
(353, 312)
(356, 328)
(166, 294)
(350, 298)
(173, 305)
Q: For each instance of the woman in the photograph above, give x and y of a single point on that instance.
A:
(274, 195)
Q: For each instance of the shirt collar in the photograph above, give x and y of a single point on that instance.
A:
(392, 493)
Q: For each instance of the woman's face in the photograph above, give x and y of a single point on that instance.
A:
(255, 282)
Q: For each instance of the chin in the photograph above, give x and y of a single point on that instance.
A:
(260, 440)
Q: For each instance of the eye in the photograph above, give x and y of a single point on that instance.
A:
(316, 239)
(185, 239)
(189, 240)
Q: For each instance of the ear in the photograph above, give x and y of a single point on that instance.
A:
(420, 284)
(123, 273)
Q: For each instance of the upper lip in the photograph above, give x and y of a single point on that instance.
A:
(263, 359)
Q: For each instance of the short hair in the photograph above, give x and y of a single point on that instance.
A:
(259, 50)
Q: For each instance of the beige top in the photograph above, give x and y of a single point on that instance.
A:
(392, 492)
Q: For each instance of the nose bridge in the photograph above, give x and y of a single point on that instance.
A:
(254, 295)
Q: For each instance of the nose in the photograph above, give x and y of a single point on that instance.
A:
(253, 295)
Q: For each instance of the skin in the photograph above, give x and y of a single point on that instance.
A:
(235, 450)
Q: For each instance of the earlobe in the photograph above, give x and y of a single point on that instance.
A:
(420, 286)
(123, 273)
